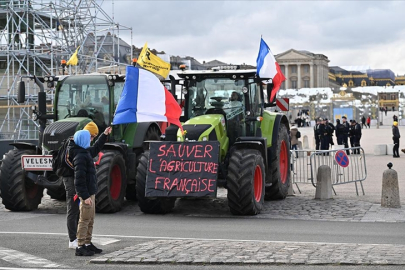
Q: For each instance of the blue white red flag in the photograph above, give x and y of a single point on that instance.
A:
(145, 99)
(267, 67)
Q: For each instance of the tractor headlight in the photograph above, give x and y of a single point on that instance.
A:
(204, 139)
(34, 117)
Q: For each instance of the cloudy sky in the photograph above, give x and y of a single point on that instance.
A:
(349, 33)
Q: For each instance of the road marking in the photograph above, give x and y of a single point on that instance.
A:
(24, 259)
(185, 238)
(13, 268)
(104, 240)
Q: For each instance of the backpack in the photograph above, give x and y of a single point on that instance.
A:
(298, 135)
(61, 165)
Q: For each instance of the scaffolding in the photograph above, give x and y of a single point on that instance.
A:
(36, 35)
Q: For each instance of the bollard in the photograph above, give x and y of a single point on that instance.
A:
(305, 143)
(390, 189)
(323, 183)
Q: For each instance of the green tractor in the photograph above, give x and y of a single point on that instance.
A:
(26, 170)
(227, 108)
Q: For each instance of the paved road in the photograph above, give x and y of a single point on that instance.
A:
(349, 229)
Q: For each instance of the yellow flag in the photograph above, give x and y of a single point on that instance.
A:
(73, 59)
(153, 63)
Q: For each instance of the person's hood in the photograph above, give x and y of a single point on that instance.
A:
(82, 138)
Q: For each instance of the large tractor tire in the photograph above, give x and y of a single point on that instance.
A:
(279, 171)
(151, 135)
(159, 205)
(18, 192)
(245, 182)
(112, 182)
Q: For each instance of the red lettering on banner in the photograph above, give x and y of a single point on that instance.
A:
(150, 166)
(166, 184)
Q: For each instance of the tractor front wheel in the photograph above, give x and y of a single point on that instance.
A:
(148, 205)
(18, 192)
(280, 167)
(112, 182)
(245, 182)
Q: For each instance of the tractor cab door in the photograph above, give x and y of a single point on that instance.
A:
(253, 106)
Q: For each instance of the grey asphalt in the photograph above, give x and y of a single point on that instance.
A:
(352, 212)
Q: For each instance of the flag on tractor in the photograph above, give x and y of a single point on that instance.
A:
(268, 68)
(153, 63)
(145, 99)
(73, 59)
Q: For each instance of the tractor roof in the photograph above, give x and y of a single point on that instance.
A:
(218, 73)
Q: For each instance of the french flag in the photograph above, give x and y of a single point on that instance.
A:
(267, 67)
(145, 99)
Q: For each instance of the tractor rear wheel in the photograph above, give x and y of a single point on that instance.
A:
(279, 170)
(18, 192)
(245, 182)
(148, 205)
(151, 135)
(112, 182)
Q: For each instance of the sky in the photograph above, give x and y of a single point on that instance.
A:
(349, 33)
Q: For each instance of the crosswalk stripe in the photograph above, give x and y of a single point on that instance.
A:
(24, 259)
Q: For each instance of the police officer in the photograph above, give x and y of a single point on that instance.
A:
(346, 131)
(324, 135)
(355, 136)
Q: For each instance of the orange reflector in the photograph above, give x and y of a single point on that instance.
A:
(260, 118)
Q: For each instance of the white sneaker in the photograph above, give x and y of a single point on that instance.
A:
(73, 244)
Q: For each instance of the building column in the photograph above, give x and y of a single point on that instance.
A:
(311, 75)
(286, 76)
(298, 76)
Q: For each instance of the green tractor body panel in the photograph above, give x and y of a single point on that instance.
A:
(206, 128)
(267, 126)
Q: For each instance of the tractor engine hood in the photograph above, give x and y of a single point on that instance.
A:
(203, 127)
(56, 132)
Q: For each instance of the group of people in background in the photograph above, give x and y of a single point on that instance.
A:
(344, 132)
(365, 122)
(303, 119)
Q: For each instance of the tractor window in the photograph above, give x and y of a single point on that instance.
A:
(84, 96)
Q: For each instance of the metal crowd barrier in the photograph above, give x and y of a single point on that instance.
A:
(344, 168)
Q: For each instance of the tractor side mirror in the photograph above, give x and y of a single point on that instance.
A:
(20, 91)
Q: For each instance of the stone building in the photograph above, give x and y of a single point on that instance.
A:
(303, 69)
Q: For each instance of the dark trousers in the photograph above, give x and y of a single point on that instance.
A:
(317, 142)
(355, 142)
(345, 143)
(396, 147)
(72, 207)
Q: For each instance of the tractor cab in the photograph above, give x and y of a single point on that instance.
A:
(233, 95)
(88, 96)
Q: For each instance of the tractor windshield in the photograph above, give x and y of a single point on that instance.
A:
(84, 96)
(216, 95)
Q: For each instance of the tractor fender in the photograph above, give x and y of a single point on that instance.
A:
(121, 147)
(27, 146)
(258, 143)
(280, 120)
(141, 131)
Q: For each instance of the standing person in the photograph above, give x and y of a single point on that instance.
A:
(68, 181)
(340, 130)
(363, 122)
(395, 138)
(395, 118)
(346, 133)
(317, 134)
(85, 182)
(324, 135)
(331, 129)
(295, 135)
(355, 136)
(368, 121)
